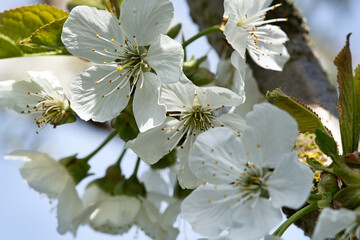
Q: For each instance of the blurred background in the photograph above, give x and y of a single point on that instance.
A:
(25, 214)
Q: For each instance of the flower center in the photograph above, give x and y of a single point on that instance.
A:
(46, 109)
(252, 181)
(198, 119)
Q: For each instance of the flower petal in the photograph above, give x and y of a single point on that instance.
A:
(68, 208)
(273, 132)
(239, 75)
(332, 222)
(217, 156)
(166, 56)
(177, 95)
(145, 19)
(88, 28)
(153, 144)
(148, 111)
(217, 97)
(236, 36)
(42, 173)
(208, 210)
(89, 87)
(270, 53)
(233, 121)
(114, 214)
(254, 221)
(291, 182)
(46, 80)
(186, 177)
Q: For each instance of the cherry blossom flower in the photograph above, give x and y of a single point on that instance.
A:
(42, 98)
(136, 58)
(191, 110)
(331, 222)
(247, 179)
(246, 28)
(48, 176)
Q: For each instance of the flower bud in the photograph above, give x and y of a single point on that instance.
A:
(328, 184)
(77, 169)
(348, 197)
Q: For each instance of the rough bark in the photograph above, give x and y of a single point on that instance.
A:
(302, 77)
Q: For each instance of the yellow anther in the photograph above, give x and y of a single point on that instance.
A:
(97, 35)
(97, 82)
(136, 46)
(146, 66)
(126, 40)
(127, 95)
(121, 45)
(113, 40)
(105, 62)
(103, 96)
(119, 23)
(140, 87)
(105, 50)
(170, 115)
(118, 88)
(110, 81)
(93, 50)
(119, 68)
(184, 106)
(202, 162)
(171, 129)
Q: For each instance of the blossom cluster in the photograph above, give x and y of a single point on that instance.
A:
(235, 158)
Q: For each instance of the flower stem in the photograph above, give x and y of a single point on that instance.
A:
(299, 214)
(87, 158)
(121, 157)
(204, 32)
(136, 167)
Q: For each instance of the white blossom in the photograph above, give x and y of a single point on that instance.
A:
(331, 222)
(42, 98)
(129, 49)
(249, 178)
(191, 110)
(48, 176)
(246, 28)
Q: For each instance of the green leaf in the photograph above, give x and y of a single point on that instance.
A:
(99, 4)
(307, 120)
(318, 166)
(327, 144)
(113, 7)
(174, 31)
(349, 97)
(8, 48)
(47, 37)
(20, 23)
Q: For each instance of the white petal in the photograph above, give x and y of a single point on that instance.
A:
(186, 177)
(236, 36)
(239, 75)
(253, 222)
(171, 213)
(166, 56)
(233, 121)
(43, 173)
(114, 214)
(80, 34)
(153, 144)
(275, 39)
(291, 182)
(154, 183)
(46, 80)
(331, 222)
(208, 210)
(148, 111)
(69, 206)
(217, 97)
(217, 156)
(224, 73)
(235, 7)
(147, 218)
(273, 132)
(253, 95)
(145, 19)
(14, 94)
(86, 95)
(177, 95)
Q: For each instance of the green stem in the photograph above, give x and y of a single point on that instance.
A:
(136, 167)
(121, 157)
(87, 158)
(299, 214)
(204, 32)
